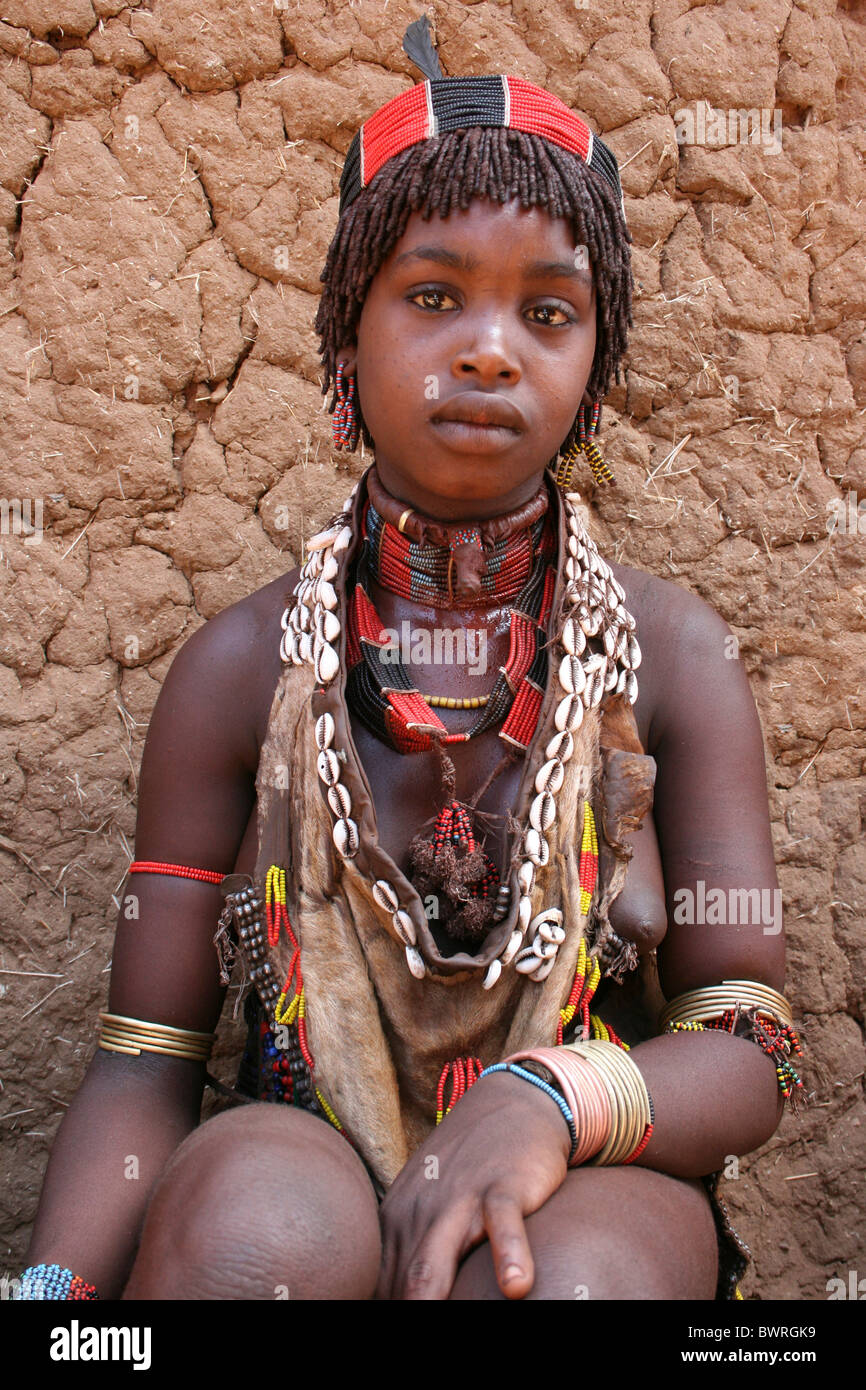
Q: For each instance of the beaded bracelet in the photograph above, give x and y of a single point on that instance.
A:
(750, 1009)
(548, 1090)
(50, 1282)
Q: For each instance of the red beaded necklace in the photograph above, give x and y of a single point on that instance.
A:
(519, 565)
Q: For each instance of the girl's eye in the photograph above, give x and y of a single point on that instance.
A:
(430, 295)
(549, 309)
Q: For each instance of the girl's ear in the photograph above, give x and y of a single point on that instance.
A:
(348, 356)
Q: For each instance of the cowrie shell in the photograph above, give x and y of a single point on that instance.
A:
(339, 800)
(328, 767)
(570, 567)
(330, 568)
(304, 616)
(631, 687)
(526, 964)
(573, 638)
(515, 942)
(569, 714)
(572, 545)
(543, 971)
(305, 647)
(346, 838)
(544, 949)
(327, 593)
(550, 931)
(343, 540)
(620, 685)
(404, 927)
(561, 746)
(537, 848)
(547, 914)
(327, 664)
(525, 877)
(634, 653)
(611, 678)
(295, 652)
(385, 896)
(609, 638)
(594, 690)
(330, 626)
(321, 539)
(549, 778)
(287, 642)
(415, 962)
(542, 812)
(572, 676)
(524, 912)
(324, 731)
(284, 621)
(494, 970)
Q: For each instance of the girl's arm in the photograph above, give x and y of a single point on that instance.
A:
(715, 1095)
(196, 793)
(502, 1151)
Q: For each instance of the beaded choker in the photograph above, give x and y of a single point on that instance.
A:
(378, 686)
(449, 565)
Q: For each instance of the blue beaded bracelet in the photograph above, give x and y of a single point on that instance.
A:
(50, 1282)
(548, 1090)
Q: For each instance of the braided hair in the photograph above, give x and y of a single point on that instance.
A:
(448, 171)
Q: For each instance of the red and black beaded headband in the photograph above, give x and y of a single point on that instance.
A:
(441, 104)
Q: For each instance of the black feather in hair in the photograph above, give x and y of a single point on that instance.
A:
(418, 46)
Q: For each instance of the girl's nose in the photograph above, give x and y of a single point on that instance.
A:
(487, 355)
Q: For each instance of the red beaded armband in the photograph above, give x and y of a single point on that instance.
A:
(147, 866)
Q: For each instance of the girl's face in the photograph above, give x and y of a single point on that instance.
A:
(489, 315)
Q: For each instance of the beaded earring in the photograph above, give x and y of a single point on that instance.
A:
(345, 425)
(587, 446)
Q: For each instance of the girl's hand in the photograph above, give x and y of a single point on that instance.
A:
(497, 1157)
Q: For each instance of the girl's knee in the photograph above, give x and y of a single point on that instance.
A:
(260, 1202)
(613, 1233)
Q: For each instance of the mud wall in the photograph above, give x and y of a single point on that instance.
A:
(168, 187)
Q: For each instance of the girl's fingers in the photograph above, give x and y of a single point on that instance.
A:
(390, 1261)
(513, 1264)
(428, 1269)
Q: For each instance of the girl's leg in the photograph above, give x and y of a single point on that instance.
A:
(613, 1233)
(260, 1202)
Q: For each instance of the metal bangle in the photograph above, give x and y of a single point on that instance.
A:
(713, 1000)
(118, 1033)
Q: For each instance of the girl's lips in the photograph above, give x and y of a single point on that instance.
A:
(469, 437)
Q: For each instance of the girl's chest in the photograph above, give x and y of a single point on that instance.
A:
(408, 790)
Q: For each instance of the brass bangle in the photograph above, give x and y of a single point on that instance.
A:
(629, 1098)
(133, 1036)
(699, 1005)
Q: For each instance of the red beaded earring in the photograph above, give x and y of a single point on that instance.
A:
(345, 425)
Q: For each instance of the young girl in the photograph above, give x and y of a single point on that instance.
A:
(413, 782)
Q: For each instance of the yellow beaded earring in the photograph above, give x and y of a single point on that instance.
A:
(586, 447)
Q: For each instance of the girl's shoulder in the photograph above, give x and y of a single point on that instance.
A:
(680, 637)
(233, 661)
